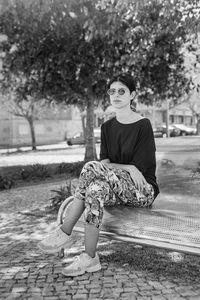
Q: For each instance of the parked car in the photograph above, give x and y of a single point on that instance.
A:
(185, 130)
(158, 132)
(78, 138)
(161, 131)
(173, 131)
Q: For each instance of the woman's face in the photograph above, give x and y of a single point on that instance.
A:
(120, 96)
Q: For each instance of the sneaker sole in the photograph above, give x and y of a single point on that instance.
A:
(88, 270)
(54, 251)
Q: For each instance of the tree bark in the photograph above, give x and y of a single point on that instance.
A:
(90, 149)
(33, 139)
(83, 125)
(198, 125)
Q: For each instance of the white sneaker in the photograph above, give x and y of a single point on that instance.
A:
(55, 241)
(82, 264)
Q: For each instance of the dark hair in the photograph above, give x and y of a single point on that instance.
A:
(126, 79)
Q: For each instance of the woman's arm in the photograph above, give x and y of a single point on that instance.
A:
(144, 154)
(103, 147)
(135, 174)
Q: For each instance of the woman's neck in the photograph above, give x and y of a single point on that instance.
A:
(127, 116)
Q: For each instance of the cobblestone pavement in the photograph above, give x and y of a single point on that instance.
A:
(128, 272)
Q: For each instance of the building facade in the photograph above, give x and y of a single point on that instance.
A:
(54, 128)
(63, 123)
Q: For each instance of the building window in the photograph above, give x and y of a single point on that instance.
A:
(171, 119)
(164, 117)
(180, 119)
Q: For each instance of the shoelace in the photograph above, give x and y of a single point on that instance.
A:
(58, 233)
(76, 261)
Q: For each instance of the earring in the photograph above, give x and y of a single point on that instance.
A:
(133, 105)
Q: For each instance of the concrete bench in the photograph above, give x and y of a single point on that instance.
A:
(169, 224)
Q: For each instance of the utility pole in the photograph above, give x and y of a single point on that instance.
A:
(167, 117)
(153, 114)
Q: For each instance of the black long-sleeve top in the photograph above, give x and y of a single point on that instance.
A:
(130, 144)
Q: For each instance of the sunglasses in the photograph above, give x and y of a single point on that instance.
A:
(121, 91)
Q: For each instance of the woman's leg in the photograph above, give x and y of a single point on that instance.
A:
(90, 172)
(117, 185)
(60, 238)
(74, 213)
(97, 195)
(121, 185)
(100, 186)
(91, 239)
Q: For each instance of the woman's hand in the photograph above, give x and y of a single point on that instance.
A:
(105, 161)
(137, 177)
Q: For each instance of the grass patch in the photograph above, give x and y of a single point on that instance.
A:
(152, 260)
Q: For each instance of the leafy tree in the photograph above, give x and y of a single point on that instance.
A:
(73, 48)
(143, 39)
(192, 65)
(19, 100)
(191, 50)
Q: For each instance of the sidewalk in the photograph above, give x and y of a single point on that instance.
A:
(128, 272)
(62, 145)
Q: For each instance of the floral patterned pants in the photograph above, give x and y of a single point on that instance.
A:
(103, 185)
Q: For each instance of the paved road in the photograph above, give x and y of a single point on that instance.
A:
(181, 150)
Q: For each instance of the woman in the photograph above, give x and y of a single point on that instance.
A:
(125, 175)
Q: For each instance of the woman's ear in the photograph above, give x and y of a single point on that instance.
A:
(133, 95)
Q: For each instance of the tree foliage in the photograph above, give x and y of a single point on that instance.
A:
(191, 52)
(78, 45)
(70, 49)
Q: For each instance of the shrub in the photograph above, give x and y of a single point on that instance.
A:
(60, 195)
(196, 171)
(73, 169)
(35, 171)
(6, 182)
(38, 172)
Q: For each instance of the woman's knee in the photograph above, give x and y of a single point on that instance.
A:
(96, 195)
(97, 189)
(93, 164)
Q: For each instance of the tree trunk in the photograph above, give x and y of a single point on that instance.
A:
(83, 125)
(198, 124)
(33, 139)
(90, 149)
